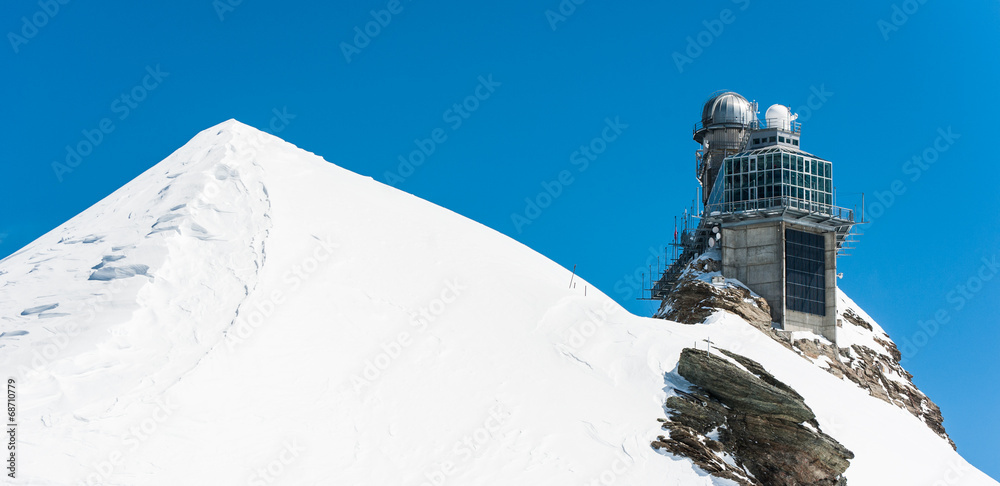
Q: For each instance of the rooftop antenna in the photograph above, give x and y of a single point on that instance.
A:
(863, 207)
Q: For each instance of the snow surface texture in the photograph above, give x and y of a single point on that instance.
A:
(246, 313)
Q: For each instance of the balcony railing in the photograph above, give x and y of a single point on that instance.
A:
(778, 203)
(793, 126)
(750, 125)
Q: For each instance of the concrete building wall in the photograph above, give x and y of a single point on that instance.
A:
(754, 255)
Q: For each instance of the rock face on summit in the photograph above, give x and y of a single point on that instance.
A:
(864, 354)
(740, 410)
(693, 300)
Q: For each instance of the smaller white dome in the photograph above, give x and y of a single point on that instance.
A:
(779, 116)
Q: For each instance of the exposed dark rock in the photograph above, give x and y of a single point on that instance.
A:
(760, 424)
(893, 351)
(854, 318)
(761, 373)
(739, 390)
(869, 369)
(784, 453)
(693, 300)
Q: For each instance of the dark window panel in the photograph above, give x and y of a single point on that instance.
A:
(805, 267)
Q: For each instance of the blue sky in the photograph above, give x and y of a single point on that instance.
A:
(875, 87)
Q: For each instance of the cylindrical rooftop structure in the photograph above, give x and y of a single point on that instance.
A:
(779, 116)
(726, 121)
(724, 109)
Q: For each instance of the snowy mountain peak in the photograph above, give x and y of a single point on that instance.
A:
(230, 130)
(244, 311)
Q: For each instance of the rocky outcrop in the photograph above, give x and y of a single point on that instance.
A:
(878, 372)
(854, 318)
(742, 424)
(874, 368)
(692, 300)
(760, 393)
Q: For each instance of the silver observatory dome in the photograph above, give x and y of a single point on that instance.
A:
(726, 108)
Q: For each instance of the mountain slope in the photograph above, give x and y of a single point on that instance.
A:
(245, 312)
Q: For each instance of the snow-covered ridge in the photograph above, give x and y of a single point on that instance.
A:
(258, 315)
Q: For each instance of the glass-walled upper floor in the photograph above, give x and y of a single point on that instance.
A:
(773, 177)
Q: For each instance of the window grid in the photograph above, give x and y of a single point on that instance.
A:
(778, 175)
(805, 272)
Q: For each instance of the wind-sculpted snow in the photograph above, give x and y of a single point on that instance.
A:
(295, 323)
(125, 271)
(38, 309)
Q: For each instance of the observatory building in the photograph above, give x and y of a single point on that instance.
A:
(769, 207)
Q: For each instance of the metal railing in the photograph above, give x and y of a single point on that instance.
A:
(749, 125)
(793, 126)
(776, 203)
